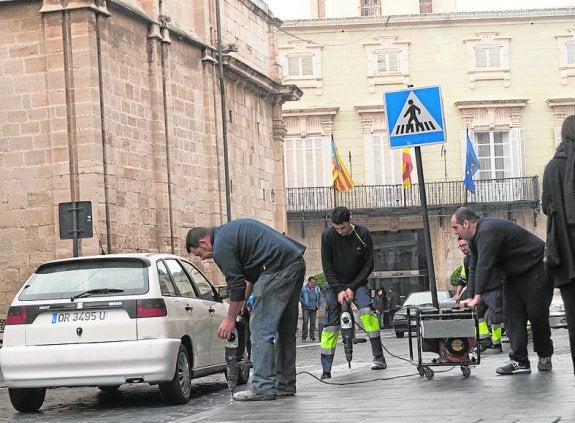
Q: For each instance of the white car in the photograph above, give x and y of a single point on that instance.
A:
(111, 320)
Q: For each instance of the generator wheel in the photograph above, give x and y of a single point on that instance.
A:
(421, 370)
(429, 373)
(466, 371)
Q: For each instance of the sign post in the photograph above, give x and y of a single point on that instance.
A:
(415, 118)
(75, 221)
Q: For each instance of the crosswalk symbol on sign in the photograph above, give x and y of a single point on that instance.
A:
(414, 118)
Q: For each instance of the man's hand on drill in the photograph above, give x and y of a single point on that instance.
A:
(346, 295)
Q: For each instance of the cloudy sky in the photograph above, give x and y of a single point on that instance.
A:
(288, 9)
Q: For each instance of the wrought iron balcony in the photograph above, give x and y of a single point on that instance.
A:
(510, 194)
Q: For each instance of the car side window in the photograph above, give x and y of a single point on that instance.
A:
(180, 277)
(166, 285)
(202, 284)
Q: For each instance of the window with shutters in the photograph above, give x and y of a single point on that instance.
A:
(566, 55)
(301, 64)
(425, 6)
(488, 58)
(387, 61)
(494, 154)
(370, 7)
(307, 162)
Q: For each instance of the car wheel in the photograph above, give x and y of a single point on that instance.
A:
(27, 400)
(108, 388)
(178, 390)
(399, 334)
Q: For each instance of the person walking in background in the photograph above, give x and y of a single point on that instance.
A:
(347, 259)
(558, 203)
(248, 250)
(527, 292)
(393, 304)
(310, 300)
(379, 306)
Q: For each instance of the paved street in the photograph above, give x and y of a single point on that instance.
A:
(397, 394)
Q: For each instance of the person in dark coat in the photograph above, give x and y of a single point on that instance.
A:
(558, 203)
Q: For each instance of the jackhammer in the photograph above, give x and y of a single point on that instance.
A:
(235, 346)
(346, 325)
(232, 369)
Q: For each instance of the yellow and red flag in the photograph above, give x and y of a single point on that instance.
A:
(406, 167)
(341, 178)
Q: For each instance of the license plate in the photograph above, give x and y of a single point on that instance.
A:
(78, 316)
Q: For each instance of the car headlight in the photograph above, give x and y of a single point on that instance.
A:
(399, 317)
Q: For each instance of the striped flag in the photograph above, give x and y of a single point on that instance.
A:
(406, 167)
(341, 178)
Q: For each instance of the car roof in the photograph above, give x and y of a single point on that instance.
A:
(145, 257)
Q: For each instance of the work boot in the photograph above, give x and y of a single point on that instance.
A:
(250, 395)
(485, 344)
(326, 375)
(378, 363)
(513, 368)
(544, 364)
(496, 349)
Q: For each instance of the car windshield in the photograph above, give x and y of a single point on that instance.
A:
(419, 298)
(75, 278)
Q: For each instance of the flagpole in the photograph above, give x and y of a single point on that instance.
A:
(334, 196)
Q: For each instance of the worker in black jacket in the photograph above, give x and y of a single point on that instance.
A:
(518, 254)
(347, 259)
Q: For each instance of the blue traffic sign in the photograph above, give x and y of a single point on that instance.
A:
(414, 117)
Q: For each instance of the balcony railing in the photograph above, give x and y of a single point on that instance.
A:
(509, 193)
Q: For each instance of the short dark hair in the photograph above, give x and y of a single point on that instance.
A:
(568, 129)
(310, 278)
(340, 214)
(194, 235)
(465, 213)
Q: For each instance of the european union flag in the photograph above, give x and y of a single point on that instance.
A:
(471, 166)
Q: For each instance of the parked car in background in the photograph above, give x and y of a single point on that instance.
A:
(111, 320)
(557, 318)
(415, 299)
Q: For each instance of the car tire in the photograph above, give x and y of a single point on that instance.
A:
(178, 390)
(399, 334)
(108, 388)
(27, 400)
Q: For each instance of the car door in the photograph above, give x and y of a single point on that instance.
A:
(218, 310)
(187, 314)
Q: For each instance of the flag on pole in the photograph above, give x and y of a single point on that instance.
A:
(406, 168)
(341, 178)
(471, 166)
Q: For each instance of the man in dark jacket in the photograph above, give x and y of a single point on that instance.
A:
(518, 254)
(558, 203)
(347, 259)
(248, 250)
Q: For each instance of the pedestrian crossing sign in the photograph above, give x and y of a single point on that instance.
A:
(414, 117)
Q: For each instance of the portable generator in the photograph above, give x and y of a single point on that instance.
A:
(452, 334)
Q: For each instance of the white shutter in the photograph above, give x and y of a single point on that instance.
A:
(369, 153)
(517, 152)
(326, 150)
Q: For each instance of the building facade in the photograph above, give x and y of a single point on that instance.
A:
(507, 81)
(118, 103)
